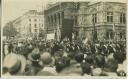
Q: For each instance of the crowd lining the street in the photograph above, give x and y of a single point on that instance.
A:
(52, 58)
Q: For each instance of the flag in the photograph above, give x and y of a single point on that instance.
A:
(67, 29)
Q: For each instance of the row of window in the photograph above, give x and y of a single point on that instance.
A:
(35, 30)
(110, 35)
(110, 17)
(36, 25)
(34, 20)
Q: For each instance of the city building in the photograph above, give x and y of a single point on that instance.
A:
(56, 17)
(91, 20)
(30, 24)
(106, 20)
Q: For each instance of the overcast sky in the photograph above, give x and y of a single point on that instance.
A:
(11, 9)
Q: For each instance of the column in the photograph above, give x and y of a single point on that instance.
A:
(51, 21)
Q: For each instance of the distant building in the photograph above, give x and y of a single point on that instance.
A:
(29, 24)
(108, 19)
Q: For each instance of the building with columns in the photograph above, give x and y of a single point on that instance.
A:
(108, 19)
(55, 15)
(99, 20)
(30, 24)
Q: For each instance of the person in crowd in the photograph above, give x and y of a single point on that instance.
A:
(48, 63)
(86, 69)
(14, 64)
(34, 65)
(110, 67)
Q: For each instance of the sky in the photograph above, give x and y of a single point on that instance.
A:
(11, 9)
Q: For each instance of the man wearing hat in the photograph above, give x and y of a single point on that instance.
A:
(14, 64)
(48, 63)
(111, 67)
(34, 67)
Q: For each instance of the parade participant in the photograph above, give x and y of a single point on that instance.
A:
(14, 64)
(62, 63)
(119, 56)
(90, 59)
(110, 67)
(86, 69)
(99, 61)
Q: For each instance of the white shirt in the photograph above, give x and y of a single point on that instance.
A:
(50, 69)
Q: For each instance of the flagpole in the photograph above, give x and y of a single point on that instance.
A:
(94, 31)
(114, 31)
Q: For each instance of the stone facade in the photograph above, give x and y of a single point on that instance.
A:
(55, 14)
(108, 17)
(29, 24)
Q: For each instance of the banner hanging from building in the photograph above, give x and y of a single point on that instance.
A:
(67, 29)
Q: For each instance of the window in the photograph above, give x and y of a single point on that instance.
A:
(29, 19)
(109, 16)
(55, 18)
(75, 20)
(59, 18)
(35, 30)
(62, 14)
(122, 18)
(109, 34)
(35, 25)
(94, 18)
(29, 29)
(35, 20)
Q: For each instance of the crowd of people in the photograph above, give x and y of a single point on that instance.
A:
(52, 58)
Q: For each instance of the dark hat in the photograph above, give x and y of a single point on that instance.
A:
(34, 56)
(100, 60)
(86, 68)
(111, 65)
(119, 56)
(79, 57)
(89, 59)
